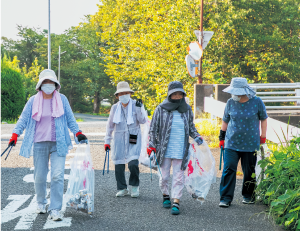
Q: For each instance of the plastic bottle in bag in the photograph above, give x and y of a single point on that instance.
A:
(80, 192)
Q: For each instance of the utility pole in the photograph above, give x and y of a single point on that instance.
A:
(49, 37)
(59, 64)
(200, 41)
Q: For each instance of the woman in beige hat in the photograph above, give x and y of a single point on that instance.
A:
(47, 118)
(124, 120)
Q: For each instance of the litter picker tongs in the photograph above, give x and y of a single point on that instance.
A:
(106, 155)
(9, 146)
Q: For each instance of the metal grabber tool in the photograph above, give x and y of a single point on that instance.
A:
(9, 146)
(106, 155)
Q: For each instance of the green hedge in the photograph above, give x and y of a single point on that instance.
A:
(12, 93)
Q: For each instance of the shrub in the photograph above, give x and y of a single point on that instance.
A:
(12, 93)
(209, 129)
(281, 187)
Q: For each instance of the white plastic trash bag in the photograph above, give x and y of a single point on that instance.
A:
(144, 159)
(263, 152)
(200, 172)
(80, 192)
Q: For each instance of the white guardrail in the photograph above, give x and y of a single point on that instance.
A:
(295, 87)
(217, 108)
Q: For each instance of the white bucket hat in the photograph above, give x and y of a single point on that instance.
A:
(123, 87)
(47, 74)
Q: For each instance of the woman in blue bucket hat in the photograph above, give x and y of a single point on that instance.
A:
(241, 137)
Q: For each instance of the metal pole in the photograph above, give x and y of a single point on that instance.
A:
(58, 64)
(201, 42)
(49, 37)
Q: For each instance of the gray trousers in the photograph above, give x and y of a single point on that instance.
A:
(134, 174)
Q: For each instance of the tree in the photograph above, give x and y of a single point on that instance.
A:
(12, 92)
(145, 42)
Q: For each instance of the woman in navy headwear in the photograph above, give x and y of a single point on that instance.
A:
(241, 137)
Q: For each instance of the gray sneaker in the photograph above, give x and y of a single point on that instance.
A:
(55, 215)
(41, 209)
(224, 204)
(248, 201)
(122, 193)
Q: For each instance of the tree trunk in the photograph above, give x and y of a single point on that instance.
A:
(96, 102)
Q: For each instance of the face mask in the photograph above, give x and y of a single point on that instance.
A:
(236, 98)
(124, 98)
(48, 88)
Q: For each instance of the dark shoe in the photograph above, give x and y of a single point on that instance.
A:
(224, 204)
(248, 200)
(167, 202)
(175, 209)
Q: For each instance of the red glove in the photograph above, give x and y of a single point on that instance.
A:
(262, 140)
(222, 143)
(14, 138)
(106, 146)
(150, 150)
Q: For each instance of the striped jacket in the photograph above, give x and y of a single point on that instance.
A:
(160, 130)
(62, 123)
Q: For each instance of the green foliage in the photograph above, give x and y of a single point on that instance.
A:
(209, 129)
(145, 42)
(281, 187)
(12, 92)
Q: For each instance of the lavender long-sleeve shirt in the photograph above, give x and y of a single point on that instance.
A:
(45, 128)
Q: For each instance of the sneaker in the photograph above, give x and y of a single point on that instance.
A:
(135, 192)
(123, 192)
(167, 202)
(224, 204)
(248, 200)
(41, 209)
(175, 209)
(55, 215)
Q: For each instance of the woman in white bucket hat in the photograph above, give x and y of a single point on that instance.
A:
(124, 120)
(47, 116)
(240, 136)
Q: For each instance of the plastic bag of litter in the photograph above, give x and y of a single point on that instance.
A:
(200, 172)
(262, 153)
(80, 192)
(144, 159)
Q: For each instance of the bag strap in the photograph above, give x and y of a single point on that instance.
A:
(125, 118)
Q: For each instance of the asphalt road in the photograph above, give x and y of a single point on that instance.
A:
(111, 213)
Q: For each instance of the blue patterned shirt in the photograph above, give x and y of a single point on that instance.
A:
(243, 124)
(176, 141)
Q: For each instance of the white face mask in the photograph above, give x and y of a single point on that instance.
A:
(236, 98)
(48, 88)
(124, 98)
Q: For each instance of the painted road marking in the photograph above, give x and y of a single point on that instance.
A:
(29, 178)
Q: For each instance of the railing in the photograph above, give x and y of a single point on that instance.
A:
(280, 99)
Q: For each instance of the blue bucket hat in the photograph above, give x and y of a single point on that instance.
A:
(239, 86)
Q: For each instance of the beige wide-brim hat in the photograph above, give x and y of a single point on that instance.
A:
(47, 74)
(123, 87)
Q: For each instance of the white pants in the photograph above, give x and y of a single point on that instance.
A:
(178, 177)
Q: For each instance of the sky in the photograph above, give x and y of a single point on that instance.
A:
(34, 13)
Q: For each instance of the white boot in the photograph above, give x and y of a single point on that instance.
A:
(135, 191)
(122, 193)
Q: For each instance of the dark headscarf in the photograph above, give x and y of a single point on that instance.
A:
(178, 104)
